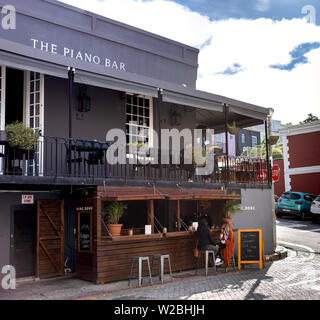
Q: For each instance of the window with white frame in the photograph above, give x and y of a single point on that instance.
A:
(35, 101)
(254, 141)
(138, 120)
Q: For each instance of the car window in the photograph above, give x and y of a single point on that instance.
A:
(291, 196)
(317, 198)
(307, 197)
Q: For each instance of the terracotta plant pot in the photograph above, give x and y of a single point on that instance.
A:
(115, 229)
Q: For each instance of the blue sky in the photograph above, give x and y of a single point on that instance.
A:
(265, 52)
(251, 9)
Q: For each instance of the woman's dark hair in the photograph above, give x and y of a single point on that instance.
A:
(203, 225)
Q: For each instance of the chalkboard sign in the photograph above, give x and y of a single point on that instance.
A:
(84, 231)
(250, 247)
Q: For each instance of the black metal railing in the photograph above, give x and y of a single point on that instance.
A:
(59, 157)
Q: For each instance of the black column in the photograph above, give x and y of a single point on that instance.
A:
(226, 111)
(70, 93)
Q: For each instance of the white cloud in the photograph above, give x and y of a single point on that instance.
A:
(253, 44)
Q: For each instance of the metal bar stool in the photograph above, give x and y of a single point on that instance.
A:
(206, 253)
(161, 258)
(140, 261)
(234, 264)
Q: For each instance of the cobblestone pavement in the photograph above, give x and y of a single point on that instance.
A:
(296, 277)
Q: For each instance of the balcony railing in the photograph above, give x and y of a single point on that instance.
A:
(59, 157)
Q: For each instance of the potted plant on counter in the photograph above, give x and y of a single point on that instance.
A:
(112, 214)
(230, 208)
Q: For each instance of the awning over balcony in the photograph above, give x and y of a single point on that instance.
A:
(114, 83)
(24, 63)
(212, 102)
(191, 100)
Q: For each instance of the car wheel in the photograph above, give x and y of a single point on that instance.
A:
(303, 215)
(278, 214)
(314, 219)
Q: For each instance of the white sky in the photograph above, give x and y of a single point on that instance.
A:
(253, 44)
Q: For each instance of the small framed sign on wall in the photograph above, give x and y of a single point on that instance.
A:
(85, 231)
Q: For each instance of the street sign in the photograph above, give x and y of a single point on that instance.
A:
(275, 173)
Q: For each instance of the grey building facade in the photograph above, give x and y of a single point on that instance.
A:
(72, 76)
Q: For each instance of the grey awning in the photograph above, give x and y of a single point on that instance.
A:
(97, 80)
(249, 111)
(191, 100)
(24, 63)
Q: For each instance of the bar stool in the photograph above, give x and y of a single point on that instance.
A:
(234, 264)
(161, 258)
(206, 253)
(140, 261)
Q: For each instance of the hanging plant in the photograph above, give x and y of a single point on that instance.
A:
(21, 136)
(232, 128)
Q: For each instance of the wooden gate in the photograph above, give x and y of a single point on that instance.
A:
(50, 238)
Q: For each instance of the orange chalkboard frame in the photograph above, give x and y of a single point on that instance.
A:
(261, 260)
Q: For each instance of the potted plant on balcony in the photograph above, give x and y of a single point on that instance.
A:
(232, 128)
(20, 136)
(230, 208)
(112, 214)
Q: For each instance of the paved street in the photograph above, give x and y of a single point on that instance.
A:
(300, 235)
(295, 277)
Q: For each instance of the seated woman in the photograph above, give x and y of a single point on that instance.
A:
(205, 240)
(226, 244)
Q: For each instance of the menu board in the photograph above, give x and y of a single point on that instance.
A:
(250, 247)
(84, 231)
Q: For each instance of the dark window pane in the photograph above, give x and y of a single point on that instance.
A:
(129, 99)
(38, 97)
(135, 100)
(38, 109)
(146, 112)
(37, 122)
(129, 108)
(134, 110)
(31, 111)
(140, 111)
(146, 103)
(31, 76)
(38, 86)
(141, 102)
(31, 123)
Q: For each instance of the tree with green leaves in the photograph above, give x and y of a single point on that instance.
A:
(310, 118)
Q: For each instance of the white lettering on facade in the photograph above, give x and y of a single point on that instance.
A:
(77, 55)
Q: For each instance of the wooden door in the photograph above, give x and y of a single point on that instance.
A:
(50, 238)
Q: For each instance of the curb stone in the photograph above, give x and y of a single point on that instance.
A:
(279, 254)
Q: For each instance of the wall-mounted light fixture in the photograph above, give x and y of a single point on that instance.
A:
(175, 117)
(84, 100)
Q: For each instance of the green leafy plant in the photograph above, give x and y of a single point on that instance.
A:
(114, 211)
(231, 207)
(232, 128)
(21, 136)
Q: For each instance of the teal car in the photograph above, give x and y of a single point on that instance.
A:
(295, 204)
